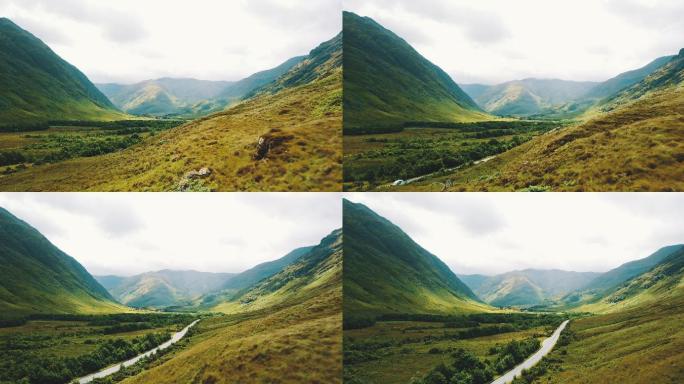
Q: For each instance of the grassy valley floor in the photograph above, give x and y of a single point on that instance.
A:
(375, 161)
(641, 345)
(397, 350)
(294, 344)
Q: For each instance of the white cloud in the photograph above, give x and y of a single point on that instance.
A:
(571, 231)
(129, 40)
(128, 233)
(492, 41)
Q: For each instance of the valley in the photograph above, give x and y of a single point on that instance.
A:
(547, 134)
(403, 325)
(276, 130)
(168, 326)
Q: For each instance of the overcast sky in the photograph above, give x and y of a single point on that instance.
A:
(134, 40)
(129, 233)
(493, 233)
(491, 41)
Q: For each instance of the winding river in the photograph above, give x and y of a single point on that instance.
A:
(115, 368)
(546, 347)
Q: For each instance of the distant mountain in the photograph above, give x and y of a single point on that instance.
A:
(387, 82)
(385, 271)
(528, 287)
(37, 85)
(316, 270)
(528, 96)
(646, 281)
(624, 144)
(37, 277)
(171, 97)
(163, 288)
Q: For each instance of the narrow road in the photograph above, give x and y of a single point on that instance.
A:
(115, 368)
(547, 346)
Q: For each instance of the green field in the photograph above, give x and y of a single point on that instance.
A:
(45, 143)
(402, 348)
(374, 161)
(47, 349)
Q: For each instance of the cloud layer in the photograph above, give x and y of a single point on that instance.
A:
(129, 233)
(129, 40)
(499, 232)
(492, 41)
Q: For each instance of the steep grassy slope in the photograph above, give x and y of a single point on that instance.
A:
(614, 85)
(36, 277)
(529, 96)
(662, 281)
(300, 126)
(188, 97)
(244, 280)
(634, 143)
(37, 85)
(285, 329)
(527, 287)
(387, 272)
(386, 82)
(163, 288)
(318, 269)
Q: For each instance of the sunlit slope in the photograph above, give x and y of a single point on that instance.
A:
(387, 82)
(385, 271)
(300, 125)
(37, 277)
(37, 85)
(316, 271)
(663, 282)
(285, 329)
(634, 143)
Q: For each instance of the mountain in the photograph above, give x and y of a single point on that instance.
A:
(528, 96)
(656, 278)
(385, 271)
(163, 288)
(626, 79)
(241, 281)
(528, 287)
(37, 277)
(172, 97)
(315, 269)
(629, 142)
(297, 119)
(38, 85)
(387, 82)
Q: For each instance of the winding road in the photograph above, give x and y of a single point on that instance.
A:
(547, 346)
(115, 368)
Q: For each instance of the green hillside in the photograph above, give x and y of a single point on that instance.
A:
(36, 277)
(632, 141)
(317, 269)
(37, 85)
(624, 281)
(236, 285)
(163, 288)
(385, 271)
(614, 85)
(528, 287)
(387, 82)
(170, 97)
